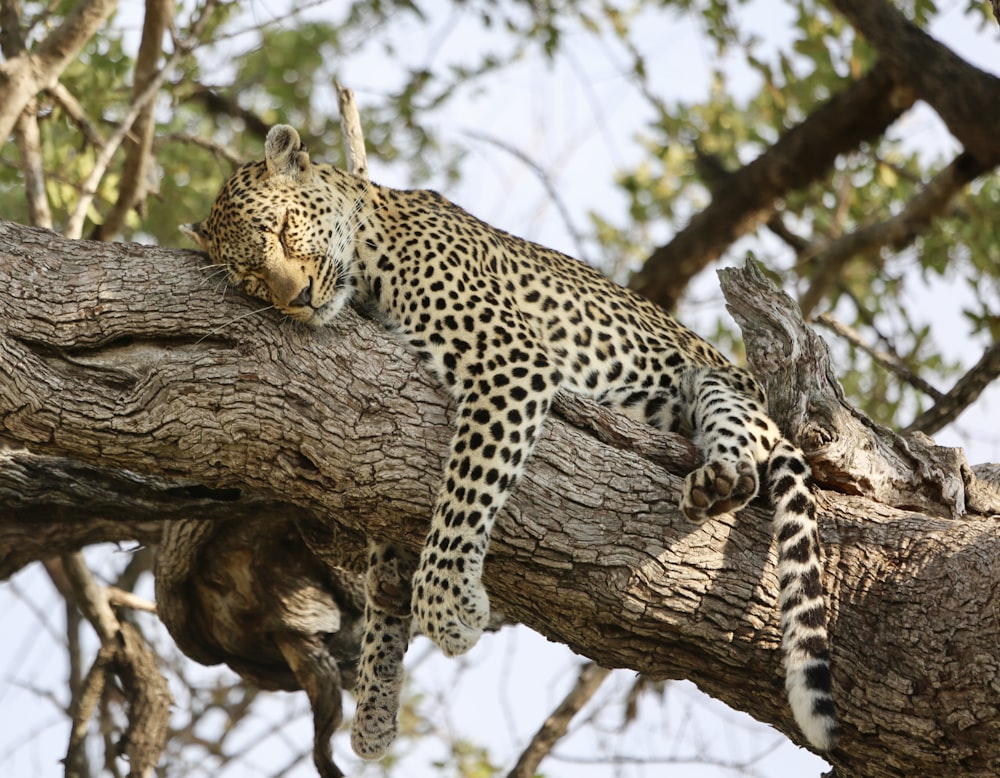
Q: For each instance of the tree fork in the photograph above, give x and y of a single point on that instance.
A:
(128, 356)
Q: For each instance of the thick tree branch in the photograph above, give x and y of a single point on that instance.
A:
(860, 113)
(52, 505)
(125, 356)
(964, 97)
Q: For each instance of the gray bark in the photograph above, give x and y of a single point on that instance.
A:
(122, 356)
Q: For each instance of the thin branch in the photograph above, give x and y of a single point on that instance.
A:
(91, 690)
(889, 361)
(216, 104)
(965, 392)
(125, 599)
(68, 102)
(226, 153)
(90, 597)
(139, 144)
(557, 724)
(898, 231)
(29, 142)
(543, 178)
(74, 226)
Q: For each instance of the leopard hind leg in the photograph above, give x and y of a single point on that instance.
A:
(384, 643)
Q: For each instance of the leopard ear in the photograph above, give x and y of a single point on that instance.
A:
(286, 154)
(196, 234)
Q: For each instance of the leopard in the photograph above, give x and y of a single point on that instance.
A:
(505, 324)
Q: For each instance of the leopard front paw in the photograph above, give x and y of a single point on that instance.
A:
(450, 605)
(718, 487)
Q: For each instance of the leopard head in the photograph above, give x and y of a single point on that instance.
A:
(283, 228)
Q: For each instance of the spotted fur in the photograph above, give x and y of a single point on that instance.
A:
(505, 324)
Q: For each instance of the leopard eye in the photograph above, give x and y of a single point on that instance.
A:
(283, 241)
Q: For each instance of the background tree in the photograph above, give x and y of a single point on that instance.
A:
(801, 149)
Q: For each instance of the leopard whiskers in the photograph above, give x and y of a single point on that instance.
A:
(232, 321)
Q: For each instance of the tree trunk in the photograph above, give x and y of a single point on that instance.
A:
(124, 356)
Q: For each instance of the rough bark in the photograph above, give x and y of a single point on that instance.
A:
(125, 356)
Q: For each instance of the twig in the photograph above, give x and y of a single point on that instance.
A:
(543, 178)
(89, 596)
(890, 362)
(231, 156)
(125, 599)
(354, 139)
(556, 725)
(29, 143)
(68, 102)
(28, 137)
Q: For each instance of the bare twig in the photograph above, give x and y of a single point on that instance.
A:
(93, 601)
(354, 139)
(897, 231)
(131, 600)
(29, 143)
(544, 179)
(556, 725)
(219, 150)
(889, 361)
(68, 102)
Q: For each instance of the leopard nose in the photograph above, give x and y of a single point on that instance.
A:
(304, 297)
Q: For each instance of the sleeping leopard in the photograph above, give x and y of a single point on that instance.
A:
(505, 324)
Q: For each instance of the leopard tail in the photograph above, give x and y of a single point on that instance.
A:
(805, 643)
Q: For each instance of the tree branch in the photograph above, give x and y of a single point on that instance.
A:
(557, 725)
(138, 144)
(803, 154)
(23, 76)
(898, 231)
(965, 392)
(107, 363)
(964, 97)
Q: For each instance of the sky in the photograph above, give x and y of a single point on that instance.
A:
(578, 120)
